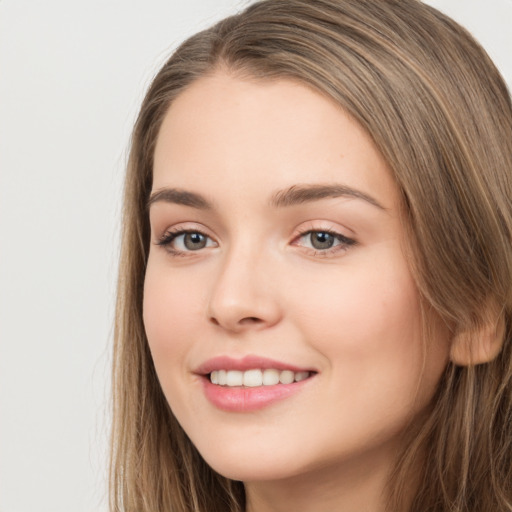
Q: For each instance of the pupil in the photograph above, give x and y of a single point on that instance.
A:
(194, 241)
(322, 240)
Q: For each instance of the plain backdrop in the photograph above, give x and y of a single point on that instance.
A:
(72, 75)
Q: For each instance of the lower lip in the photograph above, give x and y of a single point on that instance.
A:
(242, 399)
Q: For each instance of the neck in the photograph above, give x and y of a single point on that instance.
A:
(353, 486)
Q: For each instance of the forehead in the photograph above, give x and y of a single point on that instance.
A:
(225, 132)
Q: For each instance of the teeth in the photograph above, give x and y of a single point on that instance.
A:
(255, 378)
(286, 377)
(301, 376)
(270, 377)
(234, 378)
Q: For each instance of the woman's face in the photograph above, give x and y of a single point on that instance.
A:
(276, 254)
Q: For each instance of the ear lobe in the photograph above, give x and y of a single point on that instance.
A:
(479, 344)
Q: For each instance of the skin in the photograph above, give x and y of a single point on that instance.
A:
(259, 287)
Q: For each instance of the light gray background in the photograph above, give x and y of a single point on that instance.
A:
(72, 75)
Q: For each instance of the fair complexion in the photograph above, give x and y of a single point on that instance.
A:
(275, 234)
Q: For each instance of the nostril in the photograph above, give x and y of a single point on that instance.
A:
(242, 321)
(250, 320)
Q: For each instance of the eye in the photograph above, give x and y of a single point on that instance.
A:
(324, 241)
(183, 241)
(321, 240)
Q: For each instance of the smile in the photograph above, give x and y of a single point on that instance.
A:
(256, 377)
(251, 383)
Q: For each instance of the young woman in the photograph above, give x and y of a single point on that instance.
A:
(315, 297)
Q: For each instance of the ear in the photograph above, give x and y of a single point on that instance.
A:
(479, 344)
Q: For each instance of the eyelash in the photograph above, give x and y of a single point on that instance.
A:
(344, 244)
(170, 236)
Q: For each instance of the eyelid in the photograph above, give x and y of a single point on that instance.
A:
(341, 244)
(324, 225)
(170, 234)
(345, 241)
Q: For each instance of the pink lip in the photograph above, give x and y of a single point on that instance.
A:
(246, 363)
(242, 399)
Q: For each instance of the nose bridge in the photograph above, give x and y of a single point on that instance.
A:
(241, 296)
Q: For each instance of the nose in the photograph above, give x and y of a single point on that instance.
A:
(245, 294)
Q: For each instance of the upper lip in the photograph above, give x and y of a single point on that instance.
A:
(249, 362)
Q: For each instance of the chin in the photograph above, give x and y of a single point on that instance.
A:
(247, 472)
(261, 467)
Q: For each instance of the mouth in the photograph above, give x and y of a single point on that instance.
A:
(256, 377)
(251, 383)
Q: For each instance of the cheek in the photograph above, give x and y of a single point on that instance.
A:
(363, 304)
(169, 309)
(367, 325)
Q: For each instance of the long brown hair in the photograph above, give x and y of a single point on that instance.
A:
(439, 112)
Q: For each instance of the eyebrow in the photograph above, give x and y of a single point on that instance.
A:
(179, 196)
(298, 194)
(294, 195)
